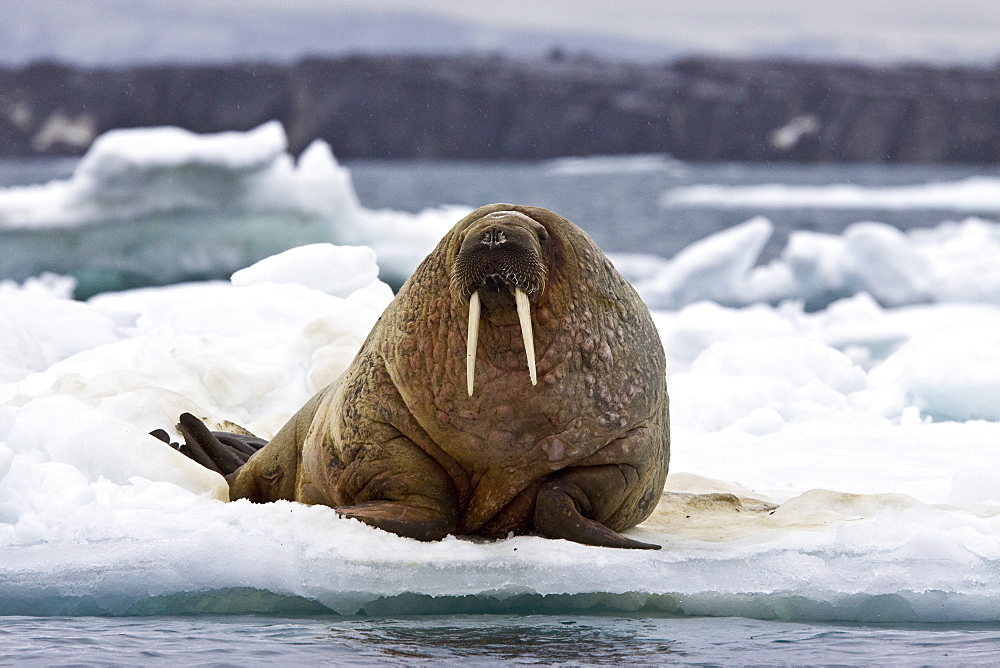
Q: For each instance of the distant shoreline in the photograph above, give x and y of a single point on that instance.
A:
(492, 107)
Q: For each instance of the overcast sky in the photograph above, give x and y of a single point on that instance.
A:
(101, 32)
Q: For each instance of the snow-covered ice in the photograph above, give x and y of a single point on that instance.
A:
(840, 464)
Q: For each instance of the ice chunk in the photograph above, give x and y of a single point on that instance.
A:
(868, 257)
(117, 153)
(949, 375)
(714, 268)
(35, 331)
(952, 262)
(150, 206)
(616, 164)
(335, 270)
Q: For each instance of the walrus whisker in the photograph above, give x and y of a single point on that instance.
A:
(524, 315)
(472, 342)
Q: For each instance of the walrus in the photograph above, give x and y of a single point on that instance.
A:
(554, 421)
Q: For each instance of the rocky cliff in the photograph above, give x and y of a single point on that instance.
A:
(485, 107)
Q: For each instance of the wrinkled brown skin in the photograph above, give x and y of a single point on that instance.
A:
(397, 443)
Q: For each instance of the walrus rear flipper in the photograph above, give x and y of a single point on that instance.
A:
(219, 451)
(565, 500)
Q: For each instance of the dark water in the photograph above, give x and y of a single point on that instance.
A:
(482, 639)
(28, 171)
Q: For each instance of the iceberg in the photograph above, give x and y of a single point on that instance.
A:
(153, 206)
(839, 464)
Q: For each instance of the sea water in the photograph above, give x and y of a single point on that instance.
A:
(144, 568)
(620, 200)
(473, 639)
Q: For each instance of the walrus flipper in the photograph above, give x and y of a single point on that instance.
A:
(219, 451)
(567, 499)
(402, 519)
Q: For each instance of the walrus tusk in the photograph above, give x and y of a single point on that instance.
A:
(472, 342)
(524, 315)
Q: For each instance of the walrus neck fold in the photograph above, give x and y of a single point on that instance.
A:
(472, 342)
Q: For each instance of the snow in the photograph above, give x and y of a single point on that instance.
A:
(837, 464)
(835, 420)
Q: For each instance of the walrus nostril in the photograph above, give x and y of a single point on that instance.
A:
(494, 237)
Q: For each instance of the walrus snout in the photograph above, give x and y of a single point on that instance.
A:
(501, 253)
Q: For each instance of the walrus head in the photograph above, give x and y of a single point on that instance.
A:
(501, 263)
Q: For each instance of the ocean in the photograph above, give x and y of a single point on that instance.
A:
(884, 548)
(619, 200)
(475, 639)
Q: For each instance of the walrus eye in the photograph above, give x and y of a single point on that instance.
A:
(542, 236)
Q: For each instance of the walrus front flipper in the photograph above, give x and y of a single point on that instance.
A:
(221, 452)
(397, 487)
(567, 499)
(402, 519)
